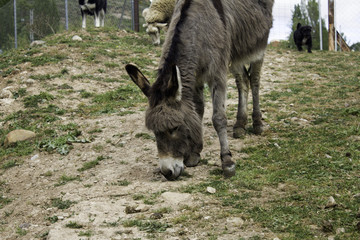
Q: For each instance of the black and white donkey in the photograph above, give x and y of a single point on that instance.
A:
(93, 7)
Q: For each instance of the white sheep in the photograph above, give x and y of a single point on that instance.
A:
(157, 16)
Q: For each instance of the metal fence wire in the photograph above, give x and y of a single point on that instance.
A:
(36, 19)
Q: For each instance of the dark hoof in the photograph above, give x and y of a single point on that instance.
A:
(258, 129)
(193, 160)
(228, 166)
(239, 132)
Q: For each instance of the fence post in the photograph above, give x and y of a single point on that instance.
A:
(320, 26)
(66, 16)
(31, 25)
(331, 26)
(135, 15)
(15, 25)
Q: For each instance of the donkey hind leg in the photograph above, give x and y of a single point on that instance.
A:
(194, 158)
(255, 70)
(102, 17)
(218, 91)
(242, 80)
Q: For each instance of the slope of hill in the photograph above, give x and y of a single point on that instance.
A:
(89, 172)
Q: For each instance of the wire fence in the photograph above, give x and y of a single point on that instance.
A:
(35, 19)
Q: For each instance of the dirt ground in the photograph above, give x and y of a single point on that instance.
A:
(101, 204)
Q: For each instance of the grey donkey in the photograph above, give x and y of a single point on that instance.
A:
(204, 40)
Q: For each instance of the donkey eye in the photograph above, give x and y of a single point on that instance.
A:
(173, 130)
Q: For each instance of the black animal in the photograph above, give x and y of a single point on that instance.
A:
(97, 8)
(302, 36)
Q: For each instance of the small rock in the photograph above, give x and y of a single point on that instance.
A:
(331, 238)
(236, 221)
(33, 158)
(328, 156)
(37, 43)
(176, 198)
(142, 208)
(29, 81)
(211, 190)
(24, 225)
(340, 230)
(207, 217)
(76, 38)
(277, 145)
(131, 210)
(357, 197)
(6, 93)
(17, 136)
(331, 203)
(7, 101)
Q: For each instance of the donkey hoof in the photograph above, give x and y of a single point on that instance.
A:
(193, 160)
(239, 132)
(229, 171)
(228, 166)
(258, 129)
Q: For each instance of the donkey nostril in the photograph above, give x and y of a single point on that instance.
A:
(168, 174)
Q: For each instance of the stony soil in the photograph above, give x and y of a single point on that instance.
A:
(101, 203)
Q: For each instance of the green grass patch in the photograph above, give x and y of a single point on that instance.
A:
(61, 204)
(91, 164)
(147, 226)
(74, 225)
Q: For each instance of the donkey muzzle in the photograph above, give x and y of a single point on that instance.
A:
(171, 168)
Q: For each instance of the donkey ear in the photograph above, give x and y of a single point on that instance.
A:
(138, 78)
(174, 86)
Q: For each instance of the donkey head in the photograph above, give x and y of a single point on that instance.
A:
(176, 125)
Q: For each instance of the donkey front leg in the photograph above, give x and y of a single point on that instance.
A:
(219, 120)
(194, 158)
(255, 87)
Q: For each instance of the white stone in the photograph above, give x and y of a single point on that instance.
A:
(76, 38)
(37, 43)
(176, 198)
(211, 190)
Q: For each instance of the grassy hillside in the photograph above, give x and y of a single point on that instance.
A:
(78, 99)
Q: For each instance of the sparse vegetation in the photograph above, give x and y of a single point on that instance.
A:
(309, 152)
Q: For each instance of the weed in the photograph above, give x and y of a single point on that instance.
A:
(122, 183)
(60, 204)
(145, 136)
(85, 234)
(33, 101)
(73, 225)
(9, 164)
(4, 201)
(64, 179)
(20, 231)
(147, 226)
(53, 219)
(91, 164)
